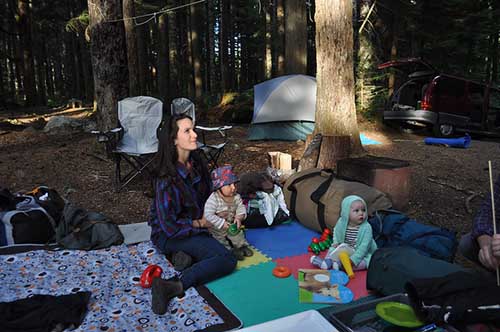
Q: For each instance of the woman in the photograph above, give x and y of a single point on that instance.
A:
(182, 185)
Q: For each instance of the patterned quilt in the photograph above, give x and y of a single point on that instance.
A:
(118, 303)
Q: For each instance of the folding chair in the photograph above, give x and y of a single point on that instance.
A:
(212, 150)
(135, 142)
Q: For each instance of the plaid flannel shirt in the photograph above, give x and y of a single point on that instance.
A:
(483, 221)
(178, 201)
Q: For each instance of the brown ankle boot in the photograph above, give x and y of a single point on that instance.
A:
(163, 291)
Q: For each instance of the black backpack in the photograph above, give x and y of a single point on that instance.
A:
(23, 220)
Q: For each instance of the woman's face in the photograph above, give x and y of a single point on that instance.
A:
(186, 137)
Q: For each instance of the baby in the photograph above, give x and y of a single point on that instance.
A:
(226, 211)
(353, 229)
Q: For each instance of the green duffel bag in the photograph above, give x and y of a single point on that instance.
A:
(313, 197)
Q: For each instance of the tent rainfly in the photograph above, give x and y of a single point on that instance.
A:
(284, 108)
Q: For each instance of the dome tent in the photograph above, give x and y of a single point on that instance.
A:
(284, 108)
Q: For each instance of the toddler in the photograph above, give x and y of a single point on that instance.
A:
(226, 211)
(353, 229)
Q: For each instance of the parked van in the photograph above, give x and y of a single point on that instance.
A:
(444, 103)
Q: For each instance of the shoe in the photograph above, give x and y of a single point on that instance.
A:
(326, 264)
(316, 260)
(238, 254)
(163, 291)
(181, 261)
(247, 252)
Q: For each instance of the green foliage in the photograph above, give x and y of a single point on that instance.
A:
(78, 24)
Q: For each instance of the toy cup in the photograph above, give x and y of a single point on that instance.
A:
(342, 254)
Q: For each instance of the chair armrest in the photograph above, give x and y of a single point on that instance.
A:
(214, 128)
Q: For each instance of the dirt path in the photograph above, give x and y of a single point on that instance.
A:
(441, 182)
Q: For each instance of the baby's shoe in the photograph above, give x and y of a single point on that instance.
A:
(316, 260)
(335, 266)
(238, 253)
(326, 264)
(247, 252)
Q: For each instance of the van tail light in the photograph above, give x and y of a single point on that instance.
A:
(427, 98)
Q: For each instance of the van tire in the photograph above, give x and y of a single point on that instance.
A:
(443, 130)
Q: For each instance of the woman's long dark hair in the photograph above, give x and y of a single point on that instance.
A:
(167, 157)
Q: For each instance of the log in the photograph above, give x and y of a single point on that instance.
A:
(333, 148)
(311, 154)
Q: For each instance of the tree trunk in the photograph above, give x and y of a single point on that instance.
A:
(173, 53)
(335, 108)
(196, 42)
(224, 45)
(142, 57)
(131, 39)
(280, 37)
(25, 30)
(268, 62)
(109, 59)
(211, 70)
(163, 59)
(295, 37)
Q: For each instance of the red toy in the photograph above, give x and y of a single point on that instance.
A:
(281, 272)
(323, 243)
(151, 272)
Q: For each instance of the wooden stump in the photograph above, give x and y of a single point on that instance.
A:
(391, 176)
(311, 153)
(280, 160)
(333, 148)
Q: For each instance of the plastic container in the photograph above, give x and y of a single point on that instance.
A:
(362, 317)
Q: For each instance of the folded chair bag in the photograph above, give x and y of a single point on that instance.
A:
(313, 197)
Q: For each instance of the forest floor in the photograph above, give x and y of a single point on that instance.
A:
(442, 179)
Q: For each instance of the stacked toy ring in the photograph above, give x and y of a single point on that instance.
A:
(281, 272)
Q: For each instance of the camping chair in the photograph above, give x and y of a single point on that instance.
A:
(135, 141)
(211, 151)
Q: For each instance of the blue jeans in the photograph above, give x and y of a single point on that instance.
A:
(211, 259)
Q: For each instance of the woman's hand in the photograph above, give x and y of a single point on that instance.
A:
(488, 251)
(202, 223)
(495, 246)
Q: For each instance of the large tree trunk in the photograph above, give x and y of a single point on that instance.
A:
(109, 59)
(131, 39)
(25, 30)
(295, 37)
(335, 107)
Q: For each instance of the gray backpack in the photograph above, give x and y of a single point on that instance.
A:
(81, 229)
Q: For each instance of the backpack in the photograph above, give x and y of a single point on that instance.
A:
(392, 228)
(50, 200)
(391, 268)
(313, 197)
(23, 220)
(81, 229)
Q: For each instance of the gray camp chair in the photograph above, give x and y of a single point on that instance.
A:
(210, 147)
(135, 142)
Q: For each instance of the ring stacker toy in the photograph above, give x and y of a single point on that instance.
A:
(342, 254)
(151, 272)
(281, 272)
(233, 229)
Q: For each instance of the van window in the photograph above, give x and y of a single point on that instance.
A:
(450, 96)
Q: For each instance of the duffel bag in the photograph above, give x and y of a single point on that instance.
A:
(314, 197)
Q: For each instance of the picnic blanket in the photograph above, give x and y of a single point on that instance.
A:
(112, 275)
